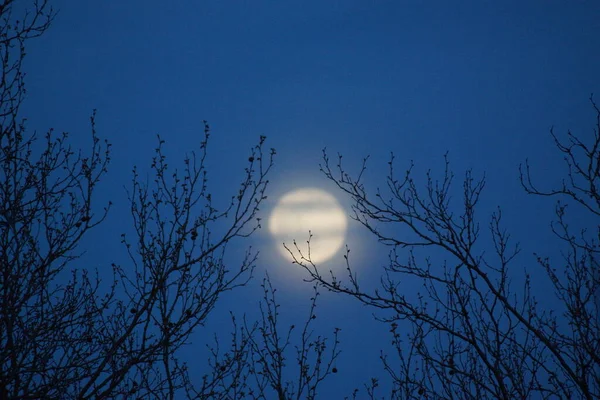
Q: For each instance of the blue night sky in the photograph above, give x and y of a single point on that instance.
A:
(483, 80)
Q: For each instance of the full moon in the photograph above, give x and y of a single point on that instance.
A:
(313, 210)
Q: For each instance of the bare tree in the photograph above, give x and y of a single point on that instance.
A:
(66, 333)
(264, 363)
(475, 330)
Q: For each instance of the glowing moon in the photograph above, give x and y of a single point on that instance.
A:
(304, 210)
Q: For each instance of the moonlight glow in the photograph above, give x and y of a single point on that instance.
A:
(304, 210)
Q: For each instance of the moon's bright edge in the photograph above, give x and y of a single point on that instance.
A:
(304, 210)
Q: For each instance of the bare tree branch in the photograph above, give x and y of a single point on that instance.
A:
(469, 334)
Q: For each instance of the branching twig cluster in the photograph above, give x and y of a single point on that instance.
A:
(261, 363)
(471, 332)
(66, 333)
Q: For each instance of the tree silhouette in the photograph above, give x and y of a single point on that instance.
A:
(268, 361)
(474, 332)
(63, 332)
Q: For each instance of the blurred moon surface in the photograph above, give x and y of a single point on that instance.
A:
(309, 209)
